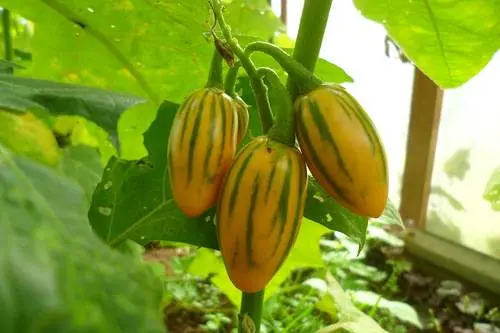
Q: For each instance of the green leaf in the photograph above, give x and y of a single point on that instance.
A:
(492, 190)
(322, 208)
(99, 106)
(449, 41)
(56, 275)
(340, 306)
(400, 310)
(27, 135)
(8, 65)
(134, 199)
(305, 253)
(390, 216)
(252, 17)
(83, 165)
(208, 262)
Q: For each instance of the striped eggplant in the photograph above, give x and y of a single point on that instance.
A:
(201, 147)
(342, 149)
(260, 211)
(243, 118)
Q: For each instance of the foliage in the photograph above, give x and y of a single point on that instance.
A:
(492, 191)
(27, 135)
(99, 106)
(350, 318)
(51, 255)
(458, 40)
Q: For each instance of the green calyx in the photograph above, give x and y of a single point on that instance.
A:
(283, 129)
(305, 79)
(215, 75)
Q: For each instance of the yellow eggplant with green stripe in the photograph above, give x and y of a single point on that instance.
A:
(260, 211)
(201, 147)
(243, 118)
(342, 149)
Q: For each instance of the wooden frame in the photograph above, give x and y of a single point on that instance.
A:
(430, 252)
(448, 260)
(420, 150)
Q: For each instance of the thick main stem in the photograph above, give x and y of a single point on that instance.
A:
(258, 87)
(310, 36)
(251, 305)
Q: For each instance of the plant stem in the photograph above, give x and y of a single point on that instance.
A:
(215, 74)
(258, 87)
(283, 129)
(231, 76)
(7, 37)
(305, 79)
(310, 36)
(251, 305)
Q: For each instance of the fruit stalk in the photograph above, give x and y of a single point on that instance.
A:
(283, 128)
(310, 37)
(215, 75)
(230, 81)
(251, 305)
(258, 87)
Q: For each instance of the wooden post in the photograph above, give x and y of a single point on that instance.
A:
(420, 150)
(284, 11)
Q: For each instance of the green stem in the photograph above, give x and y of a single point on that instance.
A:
(283, 129)
(231, 76)
(73, 17)
(305, 79)
(258, 87)
(7, 37)
(251, 305)
(215, 75)
(310, 36)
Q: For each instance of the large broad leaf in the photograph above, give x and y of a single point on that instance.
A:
(134, 200)
(155, 49)
(323, 209)
(450, 41)
(305, 253)
(83, 164)
(99, 106)
(492, 191)
(55, 274)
